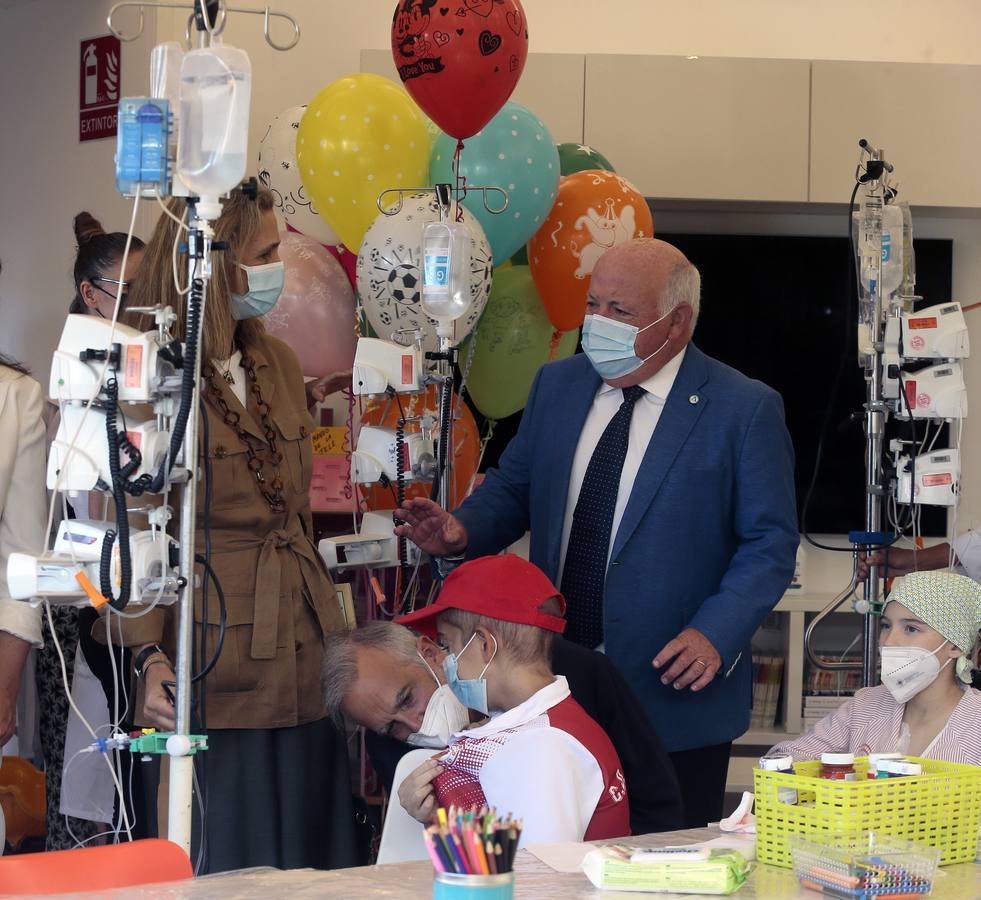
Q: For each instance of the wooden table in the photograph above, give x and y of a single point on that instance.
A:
(533, 880)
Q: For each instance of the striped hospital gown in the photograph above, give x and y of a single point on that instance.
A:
(872, 722)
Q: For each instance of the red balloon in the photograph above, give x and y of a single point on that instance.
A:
(460, 61)
(348, 261)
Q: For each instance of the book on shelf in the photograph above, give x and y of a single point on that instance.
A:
(825, 701)
(767, 678)
(817, 706)
(834, 682)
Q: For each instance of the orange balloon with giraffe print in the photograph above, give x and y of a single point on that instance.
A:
(593, 211)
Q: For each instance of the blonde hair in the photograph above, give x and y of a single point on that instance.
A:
(522, 644)
(238, 225)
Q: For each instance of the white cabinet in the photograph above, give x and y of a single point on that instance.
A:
(925, 117)
(719, 129)
(551, 86)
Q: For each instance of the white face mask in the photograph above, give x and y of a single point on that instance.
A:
(445, 716)
(906, 671)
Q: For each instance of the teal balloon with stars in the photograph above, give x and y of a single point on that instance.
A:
(514, 151)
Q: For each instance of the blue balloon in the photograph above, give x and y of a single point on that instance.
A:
(514, 151)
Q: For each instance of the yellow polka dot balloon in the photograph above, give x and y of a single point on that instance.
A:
(361, 135)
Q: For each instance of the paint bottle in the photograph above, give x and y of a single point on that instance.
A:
(875, 759)
(898, 768)
(838, 766)
(784, 764)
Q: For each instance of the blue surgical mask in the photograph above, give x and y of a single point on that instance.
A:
(265, 286)
(471, 692)
(609, 344)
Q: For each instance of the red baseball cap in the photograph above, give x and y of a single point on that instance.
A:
(507, 588)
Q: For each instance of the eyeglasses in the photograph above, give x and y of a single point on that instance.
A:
(119, 284)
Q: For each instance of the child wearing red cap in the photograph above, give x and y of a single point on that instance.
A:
(539, 757)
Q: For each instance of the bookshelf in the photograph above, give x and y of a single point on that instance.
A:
(793, 609)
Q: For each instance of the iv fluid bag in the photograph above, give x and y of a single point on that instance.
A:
(879, 230)
(909, 255)
(446, 292)
(214, 119)
(165, 72)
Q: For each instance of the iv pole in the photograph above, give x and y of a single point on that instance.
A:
(875, 420)
(199, 246)
(209, 17)
(870, 353)
(446, 355)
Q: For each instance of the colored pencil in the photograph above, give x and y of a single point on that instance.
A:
(491, 859)
(431, 844)
(472, 841)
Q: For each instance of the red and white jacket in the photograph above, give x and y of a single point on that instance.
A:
(546, 762)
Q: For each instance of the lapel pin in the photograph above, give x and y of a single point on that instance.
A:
(693, 399)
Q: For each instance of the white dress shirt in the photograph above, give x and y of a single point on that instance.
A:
(647, 413)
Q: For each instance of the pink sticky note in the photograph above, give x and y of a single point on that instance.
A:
(330, 486)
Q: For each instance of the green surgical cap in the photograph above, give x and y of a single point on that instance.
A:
(950, 604)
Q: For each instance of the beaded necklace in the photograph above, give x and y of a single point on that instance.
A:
(271, 490)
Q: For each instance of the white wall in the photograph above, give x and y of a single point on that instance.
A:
(50, 176)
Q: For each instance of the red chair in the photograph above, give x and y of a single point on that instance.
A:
(94, 868)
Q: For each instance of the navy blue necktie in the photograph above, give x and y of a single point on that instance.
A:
(584, 574)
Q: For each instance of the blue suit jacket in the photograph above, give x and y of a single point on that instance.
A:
(708, 538)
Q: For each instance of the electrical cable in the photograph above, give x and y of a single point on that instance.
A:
(202, 813)
(850, 313)
(122, 515)
(114, 718)
(222, 615)
(78, 712)
(445, 405)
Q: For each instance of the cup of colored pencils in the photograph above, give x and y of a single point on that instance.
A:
(473, 853)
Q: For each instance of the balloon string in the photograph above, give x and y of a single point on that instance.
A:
(553, 344)
(484, 441)
(460, 188)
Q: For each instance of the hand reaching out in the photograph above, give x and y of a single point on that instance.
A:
(431, 528)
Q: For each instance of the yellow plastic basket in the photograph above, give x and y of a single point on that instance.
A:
(940, 808)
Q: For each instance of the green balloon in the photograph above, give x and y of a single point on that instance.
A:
(513, 341)
(521, 257)
(577, 157)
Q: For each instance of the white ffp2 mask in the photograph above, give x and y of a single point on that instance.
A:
(445, 716)
(906, 671)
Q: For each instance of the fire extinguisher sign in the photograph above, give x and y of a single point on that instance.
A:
(99, 80)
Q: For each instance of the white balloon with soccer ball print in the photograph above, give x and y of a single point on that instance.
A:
(389, 273)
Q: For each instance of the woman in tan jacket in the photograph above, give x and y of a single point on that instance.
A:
(278, 790)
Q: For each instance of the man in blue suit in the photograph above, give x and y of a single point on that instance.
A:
(658, 485)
